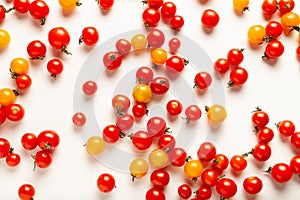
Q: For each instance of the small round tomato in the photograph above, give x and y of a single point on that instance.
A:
(177, 156)
(79, 119)
(204, 192)
(281, 172)
(252, 185)
(123, 46)
(289, 21)
(158, 56)
(156, 38)
(141, 140)
(175, 64)
(295, 164)
(155, 193)
(240, 5)
(256, 34)
(69, 4)
(153, 3)
(176, 22)
(285, 6)
(286, 128)
(7, 97)
(158, 158)
(174, 107)
(220, 162)
(111, 133)
(151, 17)
(125, 122)
(55, 67)
(216, 114)
(156, 126)
(21, 6)
(19, 66)
(23, 82)
(59, 38)
(14, 112)
(2, 115)
(295, 140)
(159, 85)
(95, 145)
(274, 50)
(139, 41)
(139, 110)
(238, 76)
(159, 178)
(168, 10)
(4, 38)
(261, 152)
(174, 44)
(112, 60)
(226, 188)
(29, 141)
(13, 159)
(184, 191)
(209, 177)
(166, 142)
(193, 169)
(144, 75)
(192, 113)
(106, 4)
(89, 87)
(142, 93)
(221, 65)
(106, 183)
(259, 118)
(269, 7)
(89, 36)
(120, 103)
(235, 56)
(4, 147)
(36, 49)
(202, 80)
(48, 140)
(43, 159)
(273, 29)
(26, 192)
(210, 18)
(265, 134)
(238, 163)
(39, 10)
(2, 13)
(206, 152)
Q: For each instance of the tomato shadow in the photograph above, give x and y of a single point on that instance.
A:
(267, 17)
(57, 53)
(295, 150)
(270, 62)
(203, 1)
(207, 31)
(250, 196)
(219, 76)
(284, 139)
(35, 63)
(238, 12)
(258, 164)
(234, 88)
(200, 92)
(235, 173)
(157, 97)
(276, 185)
(9, 1)
(88, 49)
(67, 13)
(104, 12)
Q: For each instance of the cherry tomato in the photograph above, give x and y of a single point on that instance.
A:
(273, 29)
(238, 76)
(174, 107)
(2, 115)
(39, 10)
(206, 152)
(166, 142)
(285, 6)
(274, 50)
(240, 5)
(120, 103)
(286, 128)
(36, 50)
(144, 75)
(79, 119)
(256, 34)
(176, 22)
(125, 122)
(139, 110)
(158, 158)
(202, 80)
(184, 191)
(252, 185)
(175, 64)
(210, 177)
(295, 140)
(155, 193)
(89, 87)
(192, 113)
(174, 44)
(216, 113)
(289, 21)
(221, 65)
(112, 60)
(235, 56)
(151, 17)
(23, 82)
(21, 6)
(298, 51)
(265, 134)
(220, 162)
(55, 67)
(193, 169)
(154, 3)
(59, 38)
(106, 4)
(238, 163)
(159, 178)
(69, 4)
(259, 118)
(295, 164)
(142, 93)
(159, 56)
(168, 10)
(26, 192)
(281, 172)
(156, 38)
(123, 46)
(4, 38)
(95, 145)
(48, 140)
(204, 192)
(160, 85)
(138, 168)
(29, 141)
(19, 66)
(89, 36)
(106, 183)
(141, 140)
(210, 18)
(111, 134)
(43, 159)
(269, 7)
(156, 126)
(14, 112)
(226, 188)
(261, 152)
(13, 159)
(139, 41)
(177, 156)
(7, 97)
(4, 147)
(2, 13)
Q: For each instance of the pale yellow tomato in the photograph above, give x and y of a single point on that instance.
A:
(216, 113)
(139, 41)
(158, 158)
(95, 145)
(138, 168)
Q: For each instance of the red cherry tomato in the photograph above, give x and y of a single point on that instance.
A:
(273, 29)
(155, 193)
(151, 17)
(43, 159)
(177, 157)
(139, 110)
(238, 76)
(120, 103)
(123, 46)
(23, 82)
(184, 191)
(192, 113)
(295, 140)
(168, 10)
(226, 188)
(274, 50)
(166, 142)
(141, 140)
(48, 140)
(4, 147)
(206, 152)
(204, 192)
(202, 80)
(106, 183)
(252, 185)
(238, 163)
(176, 22)
(154, 3)
(21, 6)
(112, 60)
(295, 164)
(36, 50)
(265, 134)
(106, 4)
(160, 178)
(59, 38)
(156, 126)
(55, 67)
(269, 7)
(13, 159)
(89, 87)
(261, 152)
(79, 119)
(174, 107)
(156, 38)
(220, 162)
(281, 172)
(125, 122)
(210, 177)
(2, 115)
(210, 18)
(175, 64)
(221, 65)
(159, 85)
(144, 75)
(235, 56)
(39, 10)
(89, 36)
(26, 192)
(286, 128)
(29, 141)
(174, 45)
(259, 118)
(2, 13)
(285, 6)
(14, 112)
(111, 134)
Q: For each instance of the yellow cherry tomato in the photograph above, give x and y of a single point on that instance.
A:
(7, 97)
(158, 158)
(289, 21)
(240, 5)
(159, 56)
(4, 38)
(142, 93)
(193, 169)
(69, 4)
(95, 145)
(139, 41)
(256, 34)
(19, 66)
(216, 114)
(138, 168)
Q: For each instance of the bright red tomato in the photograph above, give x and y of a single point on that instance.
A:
(220, 162)
(206, 152)
(269, 7)
(174, 107)
(184, 191)
(151, 17)
(59, 38)
(209, 177)
(221, 65)
(273, 29)
(274, 50)
(295, 164)
(48, 140)
(139, 110)
(159, 85)
(168, 10)
(160, 178)
(177, 157)
(238, 76)
(286, 128)
(175, 64)
(36, 49)
(281, 172)
(154, 3)
(43, 159)
(111, 134)
(22, 6)
(235, 56)
(14, 112)
(4, 147)
(262, 152)
(106, 183)
(252, 185)
(26, 192)
(285, 6)
(141, 140)
(55, 67)
(29, 141)
(125, 122)
(156, 126)
(204, 192)
(13, 159)
(39, 10)
(89, 36)
(265, 134)
(238, 163)
(202, 80)
(166, 142)
(112, 60)
(106, 4)
(176, 22)
(155, 193)
(259, 118)
(2, 13)
(155, 38)
(23, 82)
(123, 46)
(295, 140)
(2, 115)
(210, 18)
(226, 188)
(144, 75)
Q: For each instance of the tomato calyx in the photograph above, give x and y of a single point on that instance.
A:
(98, 1)
(185, 61)
(7, 10)
(13, 74)
(16, 91)
(34, 163)
(42, 21)
(248, 153)
(38, 58)
(265, 57)
(78, 3)
(230, 84)
(269, 170)
(65, 50)
(296, 28)
(80, 39)
(48, 146)
(257, 108)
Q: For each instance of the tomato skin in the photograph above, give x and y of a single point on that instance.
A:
(59, 38)
(238, 76)
(202, 80)
(155, 193)
(141, 140)
(7, 97)
(238, 163)
(156, 38)
(55, 67)
(281, 172)
(256, 34)
(160, 85)
(111, 134)
(260, 118)
(159, 56)
(192, 113)
(123, 46)
(89, 87)
(210, 177)
(295, 140)
(151, 17)
(106, 4)
(158, 158)
(221, 65)
(29, 141)
(265, 134)
(159, 178)
(69, 4)
(2, 13)
(295, 164)
(220, 162)
(21, 6)
(274, 49)
(23, 82)
(39, 10)
(125, 122)
(184, 191)
(14, 112)
(174, 44)
(13, 159)
(2, 115)
(138, 168)
(285, 6)
(175, 64)
(206, 152)
(262, 152)
(166, 142)
(19, 66)
(286, 128)
(43, 159)
(269, 7)
(156, 126)
(177, 156)
(204, 192)
(235, 56)
(26, 192)
(176, 22)
(193, 169)
(112, 60)
(48, 140)
(274, 29)
(142, 93)
(4, 147)
(252, 185)
(36, 49)
(154, 3)
(106, 183)
(226, 188)
(210, 18)
(89, 36)
(168, 10)
(120, 103)
(174, 107)
(139, 110)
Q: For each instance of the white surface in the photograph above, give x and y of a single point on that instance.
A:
(49, 104)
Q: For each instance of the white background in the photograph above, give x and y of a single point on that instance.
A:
(48, 104)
